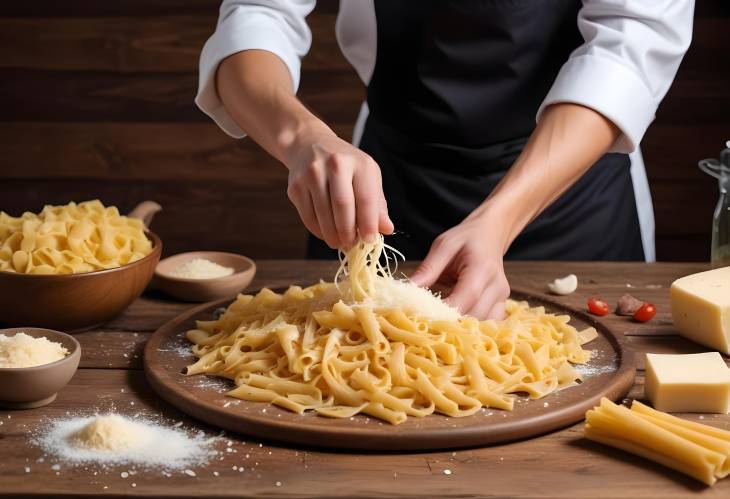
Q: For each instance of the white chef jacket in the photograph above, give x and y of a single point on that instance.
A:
(631, 53)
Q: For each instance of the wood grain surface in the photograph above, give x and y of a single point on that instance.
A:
(560, 464)
(97, 101)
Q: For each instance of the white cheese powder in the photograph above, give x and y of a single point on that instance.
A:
(23, 350)
(115, 439)
(200, 268)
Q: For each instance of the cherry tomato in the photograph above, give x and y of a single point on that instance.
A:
(596, 306)
(645, 312)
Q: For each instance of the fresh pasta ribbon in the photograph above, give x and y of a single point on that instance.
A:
(70, 239)
(697, 450)
(368, 343)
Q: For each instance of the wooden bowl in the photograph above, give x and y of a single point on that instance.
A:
(29, 387)
(74, 302)
(200, 290)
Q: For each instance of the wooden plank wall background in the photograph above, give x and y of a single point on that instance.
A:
(97, 101)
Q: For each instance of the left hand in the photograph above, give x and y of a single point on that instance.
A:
(470, 255)
(568, 139)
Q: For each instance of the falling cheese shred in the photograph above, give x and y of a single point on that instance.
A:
(363, 279)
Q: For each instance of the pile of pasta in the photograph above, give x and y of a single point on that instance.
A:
(342, 348)
(70, 239)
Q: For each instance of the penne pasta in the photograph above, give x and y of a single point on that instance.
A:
(346, 347)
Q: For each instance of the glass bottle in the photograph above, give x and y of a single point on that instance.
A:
(720, 251)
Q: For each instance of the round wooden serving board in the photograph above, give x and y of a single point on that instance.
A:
(610, 373)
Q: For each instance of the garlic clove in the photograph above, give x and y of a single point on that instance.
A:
(564, 285)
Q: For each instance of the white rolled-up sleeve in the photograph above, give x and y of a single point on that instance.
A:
(624, 69)
(277, 26)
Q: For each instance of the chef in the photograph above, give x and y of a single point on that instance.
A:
(492, 129)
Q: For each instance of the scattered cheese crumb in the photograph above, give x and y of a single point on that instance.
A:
(189, 473)
(27, 469)
(124, 474)
(200, 268)
(447, 472)
(278, 484)
(56, 467)
(23, 350)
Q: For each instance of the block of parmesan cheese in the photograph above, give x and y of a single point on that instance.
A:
(701, 308)
(698, 382)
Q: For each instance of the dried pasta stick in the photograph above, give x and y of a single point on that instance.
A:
(638, 433)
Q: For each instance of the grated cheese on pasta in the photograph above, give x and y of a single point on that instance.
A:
(381, 290)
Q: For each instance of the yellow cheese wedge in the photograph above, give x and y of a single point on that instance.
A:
(697, 382)
(701, 308)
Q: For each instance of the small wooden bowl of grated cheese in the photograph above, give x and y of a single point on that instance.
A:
(200, 276)
(35, 364)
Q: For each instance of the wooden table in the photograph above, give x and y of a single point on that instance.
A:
(560, 464)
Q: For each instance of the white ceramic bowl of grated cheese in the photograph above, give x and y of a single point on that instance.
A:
(35, 364)
(200, 276)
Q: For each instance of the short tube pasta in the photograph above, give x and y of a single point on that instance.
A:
(340, 349)
(70, 239)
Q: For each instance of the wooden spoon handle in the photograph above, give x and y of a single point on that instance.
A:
(145, 211)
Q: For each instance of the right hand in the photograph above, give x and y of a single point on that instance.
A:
(337, 190)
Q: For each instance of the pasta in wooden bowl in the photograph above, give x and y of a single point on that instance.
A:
(81, 263)
(369, 343)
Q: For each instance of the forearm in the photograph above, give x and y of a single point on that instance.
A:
(568, 140)
(256, 89)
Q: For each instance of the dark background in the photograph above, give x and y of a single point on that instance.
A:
(97, 101)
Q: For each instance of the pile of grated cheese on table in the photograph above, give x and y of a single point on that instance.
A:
(200, 268)
(115, 439)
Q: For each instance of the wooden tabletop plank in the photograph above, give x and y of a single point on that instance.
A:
(105, 349)
(560, 464)
(522, 468)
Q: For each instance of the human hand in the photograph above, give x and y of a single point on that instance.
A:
(471, 257)
(337, 189)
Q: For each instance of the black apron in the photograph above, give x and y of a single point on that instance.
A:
(453, 99)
